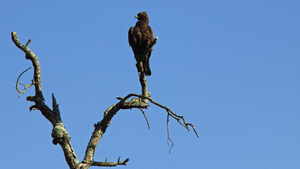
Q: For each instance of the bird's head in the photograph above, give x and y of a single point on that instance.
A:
(142, 16)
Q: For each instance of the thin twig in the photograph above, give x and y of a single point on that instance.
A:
(145, 118)
(169, 139)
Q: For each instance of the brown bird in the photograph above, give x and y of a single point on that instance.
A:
(139, 38)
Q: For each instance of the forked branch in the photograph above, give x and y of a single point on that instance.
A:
(59, 133)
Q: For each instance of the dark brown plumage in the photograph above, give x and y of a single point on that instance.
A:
(139, 38)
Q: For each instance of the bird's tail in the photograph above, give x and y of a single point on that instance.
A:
(147, 70)
(146, 66)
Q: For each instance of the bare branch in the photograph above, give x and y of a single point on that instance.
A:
(99, 130)
(36, 65)
(59, 133)
(101, 126)
(144, 87)
(110, 164)
(180, 119)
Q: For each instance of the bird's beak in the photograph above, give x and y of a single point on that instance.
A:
(136, 17)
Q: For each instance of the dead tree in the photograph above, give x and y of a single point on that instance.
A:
(60, 134)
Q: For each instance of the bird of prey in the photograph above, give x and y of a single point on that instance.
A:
(139, 38)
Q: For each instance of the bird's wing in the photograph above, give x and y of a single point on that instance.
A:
(130, 36)
(151, 33)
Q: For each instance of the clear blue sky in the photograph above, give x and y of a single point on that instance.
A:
(230, 67)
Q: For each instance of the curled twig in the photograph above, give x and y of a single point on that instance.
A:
(25, 86)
